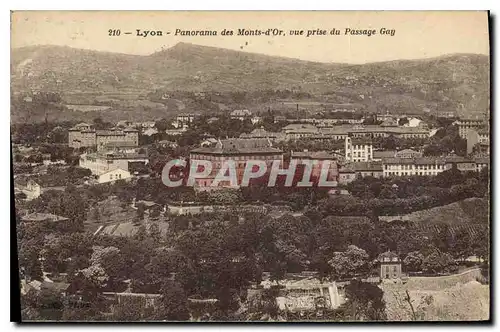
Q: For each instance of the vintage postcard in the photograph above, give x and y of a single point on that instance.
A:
(251, 166)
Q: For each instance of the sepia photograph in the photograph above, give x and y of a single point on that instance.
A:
(250, 166)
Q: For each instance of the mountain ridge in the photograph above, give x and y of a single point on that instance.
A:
(446, 83)
(190, 46)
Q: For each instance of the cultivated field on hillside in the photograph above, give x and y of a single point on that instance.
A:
(448, 298)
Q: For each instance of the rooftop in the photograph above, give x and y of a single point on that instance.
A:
(259, 133)
(350, 128)
(361, 141)
(313, 155)
(406, 151)
(387, 254)
(301, 127)
(347, 169)
(384, 154)
(239, 146)
(116, 155)
(416, 161)
(110, 133)
(123, 144)
(363, 166)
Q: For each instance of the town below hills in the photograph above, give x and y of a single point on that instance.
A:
(127, 83)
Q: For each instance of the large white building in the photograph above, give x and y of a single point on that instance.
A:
(114, 175)
(430, 166)
(413, 166)
(464, 124)
(358, 149)
(100, 163)
(340, 132)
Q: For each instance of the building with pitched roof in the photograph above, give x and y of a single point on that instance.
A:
(464, 124)
(380, 155)
(84, 135)
(237, 150)
(390, 265)
(408, 153)
(340, 132)
(322, 159)
(114, 175)
(299, 130)
(413, 166)
(368, 168)
(260, 133)
(347, 174)
(430, 165)
(102, 162)
(477, 139)
(358, 149)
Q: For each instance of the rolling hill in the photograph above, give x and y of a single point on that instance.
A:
(450, 82)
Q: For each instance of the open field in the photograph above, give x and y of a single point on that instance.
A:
(446, 298)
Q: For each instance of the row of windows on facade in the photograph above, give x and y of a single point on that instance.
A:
(388, 259)
(361, 147)
(358, 154)
(94, 160)
(217, 166)
(243, 158)
(411, 167)
(411, 173)
(422, 135)
(394, 271)
(116, 177)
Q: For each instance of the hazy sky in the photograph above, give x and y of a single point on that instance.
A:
(418, 34)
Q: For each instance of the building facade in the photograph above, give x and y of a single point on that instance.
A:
(128, 137)
(185, 118)
(299, 131)
(238, 151)
(408, 153)
(390, 266)
(346, 175)
(340, 132)
(323, 159)
(368, 168)
(83, 135)
(430, 166)
(358, 149)
(413, 166)
(241, 114)
(477, 138)
(100, 163)
(465, 124)
(261, 133)
(114, 175)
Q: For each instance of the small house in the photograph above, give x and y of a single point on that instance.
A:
(390, 265)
